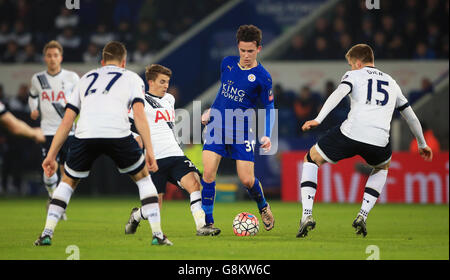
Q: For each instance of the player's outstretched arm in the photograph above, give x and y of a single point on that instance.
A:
(415, 127)
(332, 101)
(140, 121)
(49, 164)
(20, 128)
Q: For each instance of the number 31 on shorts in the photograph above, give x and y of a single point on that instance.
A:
(249, 146)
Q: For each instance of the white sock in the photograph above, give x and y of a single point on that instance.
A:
(57, 207)
(374, 187)
(150, 207)
(51, 183)
(308, 185)
(196, 209)
(138, 215)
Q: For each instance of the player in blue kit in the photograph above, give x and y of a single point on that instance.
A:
(230, 130)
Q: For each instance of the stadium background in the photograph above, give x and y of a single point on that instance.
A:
(304, 43)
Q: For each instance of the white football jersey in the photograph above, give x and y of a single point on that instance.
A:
(160, 114)
(374, 96)
(103, 97)
(52, 93)
(2, 109)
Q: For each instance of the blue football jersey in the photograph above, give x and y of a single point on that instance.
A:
(241, 89)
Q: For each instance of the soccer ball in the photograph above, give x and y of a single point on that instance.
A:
(245, 224)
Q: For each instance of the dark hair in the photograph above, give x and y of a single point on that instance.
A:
(114, 51)
(249, 33)
(152, 71)
(362, 52)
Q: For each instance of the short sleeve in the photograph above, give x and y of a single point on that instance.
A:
(266, 90)
(74, 101)
(137, 90)
(401, 102)
(34, 89)
(348, 79)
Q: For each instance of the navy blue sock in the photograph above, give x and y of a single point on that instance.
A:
(256, 193)
(208, 196)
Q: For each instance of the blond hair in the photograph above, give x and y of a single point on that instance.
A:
(53, 44)
(361, 52)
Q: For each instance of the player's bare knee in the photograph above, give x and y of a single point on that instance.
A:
(248, 181)
(309, 158)
(190, 182)
(70, 181)
(209, 176)
(141, 174)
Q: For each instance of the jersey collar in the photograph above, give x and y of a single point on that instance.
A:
(152, 95)
(245, 69)
(54, 74)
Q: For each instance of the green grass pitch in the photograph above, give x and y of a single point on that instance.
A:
(96, 227)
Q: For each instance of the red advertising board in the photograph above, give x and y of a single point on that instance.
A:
(410, 179)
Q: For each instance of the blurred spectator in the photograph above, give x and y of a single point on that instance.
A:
(148, 11)
(29, 55)
(144, 31)
(142, 54)
(339, 28)
(22, 11)
(410, 37)
(89, 18)
(391, 37)
(434, 36)
(20, 34)
(432, 10)
(388, 25)
(396, 48)
(126, 10)
(423, 52)
(20, 102)
(11, 53)
(379, 45)
(345, 43)
(49, 19)
(367, 33)
(339, 113)
(92, 54)
(286, 118)
(101, 36)
(71, 44)
(322, 49)
(426, 87)
(297, 49)
(306, 105)
(283, 98)
(7, 11)
(430, 138)
(66, 19)
(5, 36)
(124, 35)
(321, 28)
